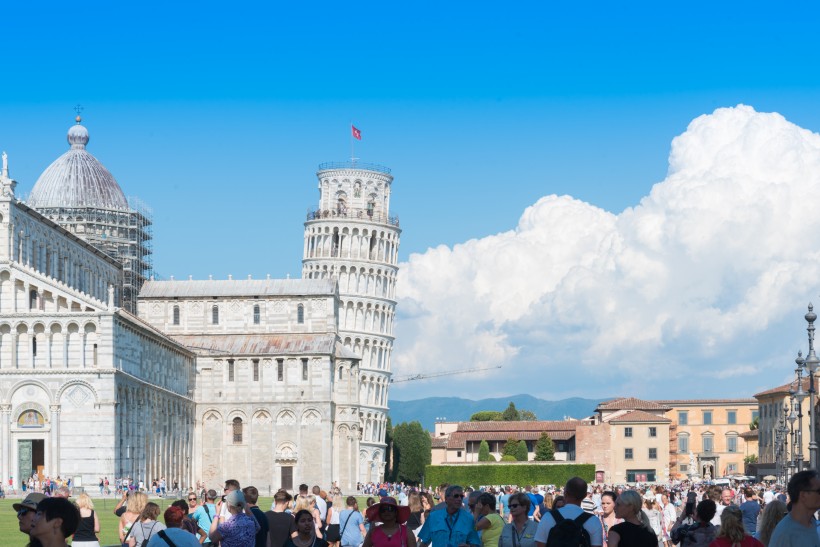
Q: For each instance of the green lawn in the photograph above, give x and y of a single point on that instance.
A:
(10, 535)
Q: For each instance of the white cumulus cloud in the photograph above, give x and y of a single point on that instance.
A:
(692, 292)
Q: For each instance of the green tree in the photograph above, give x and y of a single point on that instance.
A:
(521, 453)
(544, 449)
(412, 451)
(484, 452)
(750, 459)
(486, 416)
(528, 416)
(508, 458)
(511, 414)
(755, 423)
(510, 447)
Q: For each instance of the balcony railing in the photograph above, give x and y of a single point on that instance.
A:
(354, 214)
(354, 165)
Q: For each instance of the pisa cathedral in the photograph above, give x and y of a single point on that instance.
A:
(105, 371)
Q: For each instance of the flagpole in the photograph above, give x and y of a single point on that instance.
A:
(352, 153)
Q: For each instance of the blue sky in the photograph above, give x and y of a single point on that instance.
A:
(217, 114)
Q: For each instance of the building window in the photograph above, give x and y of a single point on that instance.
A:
(684, 467)
(731, 417)
(257, 316)
(653, 453)
(653, 431)
(32, 300)
(707, 417)
(341, 373)
(237, 430)
(304, 369)
(280, 370)
(458, 453)
(640, 475)
(627, 432)
(731, 468)
(683, 443)
(230, 370)
(255, 370)
(708, 443)
(300, 314)
(731, 443)
(176, 315)
(755, 414)
(34, 346)
(215, 315)
(683, 417)
(627, 453)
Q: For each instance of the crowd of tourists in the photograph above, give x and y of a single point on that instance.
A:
(449, 516)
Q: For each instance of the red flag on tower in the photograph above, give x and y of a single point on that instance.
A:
(357, 134)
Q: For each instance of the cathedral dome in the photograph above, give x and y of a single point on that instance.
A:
(77, 179)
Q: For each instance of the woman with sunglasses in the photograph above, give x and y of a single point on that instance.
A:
(520, 532)
(393, 530)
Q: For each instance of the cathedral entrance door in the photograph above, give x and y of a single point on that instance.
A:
(30, 458)
(287, 477)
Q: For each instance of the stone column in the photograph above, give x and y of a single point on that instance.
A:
(54, 449)
(5, 425)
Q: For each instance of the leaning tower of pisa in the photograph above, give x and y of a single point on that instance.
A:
(352, 237)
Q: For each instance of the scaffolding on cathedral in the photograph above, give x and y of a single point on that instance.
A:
(123, 234)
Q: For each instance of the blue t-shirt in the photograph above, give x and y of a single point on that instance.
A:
(750, 510)
(349, 520)
(445, 530)
(533, 503)
(504, 500)
(204, 518)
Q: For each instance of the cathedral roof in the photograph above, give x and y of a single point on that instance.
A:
(77, 179)
(216, 345)
(238, 288)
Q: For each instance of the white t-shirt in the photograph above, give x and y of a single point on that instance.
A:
(569, 511)
(768, 496)
(321, 505)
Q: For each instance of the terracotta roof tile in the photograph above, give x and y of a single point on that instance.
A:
(639, 416)
(538, 425)
(631, 403)
(676, 402)
(784, 388)
(752, 434)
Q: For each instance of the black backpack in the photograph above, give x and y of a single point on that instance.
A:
(568, 533)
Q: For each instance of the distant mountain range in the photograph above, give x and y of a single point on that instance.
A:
(454, 409)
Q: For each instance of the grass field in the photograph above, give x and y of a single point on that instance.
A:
(10, 535)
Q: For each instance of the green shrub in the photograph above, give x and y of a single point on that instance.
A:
(509, 473)
(486, 416)
(483, 452)
(508, 458)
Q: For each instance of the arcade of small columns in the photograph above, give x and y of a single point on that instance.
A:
(351, 242)
(359, 281)
(374, 425)
(68, 265)
(154, 433)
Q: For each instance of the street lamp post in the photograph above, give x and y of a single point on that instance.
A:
(812, 363)
(793, 434)
(799, 396)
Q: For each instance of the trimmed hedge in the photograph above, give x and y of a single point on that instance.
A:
(520, 474)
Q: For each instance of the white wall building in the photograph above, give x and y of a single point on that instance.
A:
(271, 382)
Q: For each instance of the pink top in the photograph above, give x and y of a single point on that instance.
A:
(380, 539)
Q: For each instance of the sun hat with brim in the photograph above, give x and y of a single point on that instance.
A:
(30, 502)
(402, 511)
